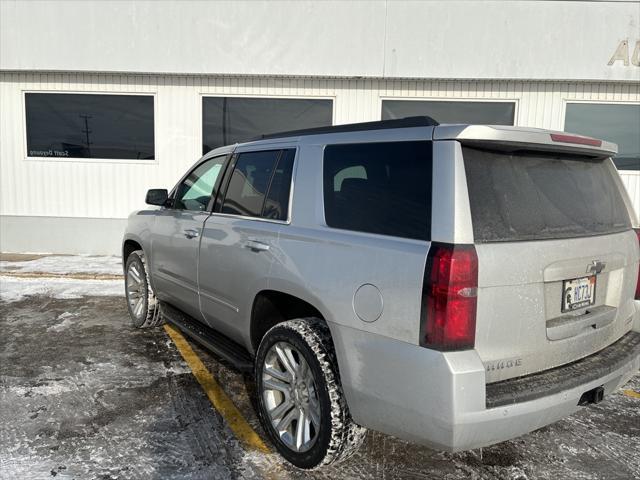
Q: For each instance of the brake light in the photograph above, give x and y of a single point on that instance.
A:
(449, 297)
(637, 230)
(564, 138)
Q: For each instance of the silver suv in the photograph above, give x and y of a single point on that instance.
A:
(452, 285)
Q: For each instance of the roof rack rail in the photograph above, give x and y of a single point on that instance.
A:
(421, 121)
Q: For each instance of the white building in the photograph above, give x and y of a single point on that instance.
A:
(101, 100)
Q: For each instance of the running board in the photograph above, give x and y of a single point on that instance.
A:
(218, 343)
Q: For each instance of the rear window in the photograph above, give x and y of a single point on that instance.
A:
(382, 188)
(535, 196)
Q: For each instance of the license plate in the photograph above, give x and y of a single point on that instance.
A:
(578, 293)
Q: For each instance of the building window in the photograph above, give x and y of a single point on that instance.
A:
(227, 120)
(69, 125)
(472, 112)
(617, 123)
(260, 185)
(382, 188)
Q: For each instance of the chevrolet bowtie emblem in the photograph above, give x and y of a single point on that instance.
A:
(596, 267)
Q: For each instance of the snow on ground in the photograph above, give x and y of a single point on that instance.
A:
(67, 264)
(14, 289)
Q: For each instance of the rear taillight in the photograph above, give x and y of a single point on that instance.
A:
(449, 297)
(637, 230)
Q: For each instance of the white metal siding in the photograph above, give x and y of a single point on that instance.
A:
(111, 189)
(371, 38)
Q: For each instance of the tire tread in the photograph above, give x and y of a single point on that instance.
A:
(153, 316)
(346, 436)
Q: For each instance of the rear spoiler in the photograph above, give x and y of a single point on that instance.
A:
(520, 138)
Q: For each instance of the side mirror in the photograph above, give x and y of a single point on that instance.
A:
(157, 196)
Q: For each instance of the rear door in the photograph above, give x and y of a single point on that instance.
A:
(239, 238)
(558, 260)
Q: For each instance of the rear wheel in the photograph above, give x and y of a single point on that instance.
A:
(141, 301)
(300, 400)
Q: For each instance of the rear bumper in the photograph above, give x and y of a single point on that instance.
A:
(577, 374)
(440, 399)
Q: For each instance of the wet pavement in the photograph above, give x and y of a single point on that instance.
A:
(83, 395)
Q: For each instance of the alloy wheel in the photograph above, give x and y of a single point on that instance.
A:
(136, 289)
(290, 397)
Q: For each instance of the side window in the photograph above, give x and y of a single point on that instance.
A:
(260, 185)
(382, 188)
(276, 206)
(196, 190)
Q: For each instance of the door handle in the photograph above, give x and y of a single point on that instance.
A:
(191, 233)
(256, 246)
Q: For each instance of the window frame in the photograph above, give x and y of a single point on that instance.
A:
(25, 149)
(567, 101)
(203, 94)
(514, 100)
(228, 172)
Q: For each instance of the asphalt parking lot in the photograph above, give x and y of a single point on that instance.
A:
(85, 396)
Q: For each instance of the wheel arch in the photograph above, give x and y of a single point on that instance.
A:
(131, 244)
(261, 322)
(271, 307)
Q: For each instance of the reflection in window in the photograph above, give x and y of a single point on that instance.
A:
(617, 123)
(249, 182)
(356, 171)
(473, 112)
(276, 206)
(65, 125)
(227, 120)
(260, 185)
(196, 190)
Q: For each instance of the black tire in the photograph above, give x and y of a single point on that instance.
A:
(337, 437)
(147, 313)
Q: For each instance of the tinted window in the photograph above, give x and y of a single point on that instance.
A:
(484, 113)
(531, 196)
(227, 120)
(259, 185)
(380, 188)
(276, 206)
(196, 190)
(616, 123)
(65, 125)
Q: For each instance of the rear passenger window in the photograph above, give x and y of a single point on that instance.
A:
(382, 188)
(260, 185)
(276, 207)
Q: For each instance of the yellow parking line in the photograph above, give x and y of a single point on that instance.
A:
(631, 393)
(219, 399)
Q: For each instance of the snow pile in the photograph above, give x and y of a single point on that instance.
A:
(14, 289)
(67, 264)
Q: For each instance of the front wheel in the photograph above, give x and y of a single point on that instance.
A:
(300, 400)
(141, 301)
